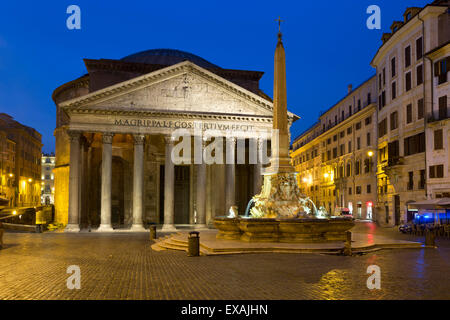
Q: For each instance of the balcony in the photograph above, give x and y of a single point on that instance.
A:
(395, 161)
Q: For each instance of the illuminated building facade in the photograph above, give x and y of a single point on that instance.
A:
(412, 67)
(25, 171)
(48, 179)
(336, 158)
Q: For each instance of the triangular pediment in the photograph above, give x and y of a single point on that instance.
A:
(184, 87)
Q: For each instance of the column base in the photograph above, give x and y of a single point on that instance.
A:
(168, 228)
(137, 228)
(72, 227)
(105, 228)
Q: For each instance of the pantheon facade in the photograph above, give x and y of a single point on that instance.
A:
(114, 140)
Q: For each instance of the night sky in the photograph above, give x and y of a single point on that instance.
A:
(328, 46)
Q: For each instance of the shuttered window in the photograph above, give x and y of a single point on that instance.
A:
(438, 141)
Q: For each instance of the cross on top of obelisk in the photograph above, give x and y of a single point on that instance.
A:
(279, 23)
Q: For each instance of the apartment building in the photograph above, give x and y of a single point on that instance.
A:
(25, 175)
(7, 169)
(407, 97)
(48, 179)
(336, 157)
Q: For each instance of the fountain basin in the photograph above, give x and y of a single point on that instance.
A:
(283, 230)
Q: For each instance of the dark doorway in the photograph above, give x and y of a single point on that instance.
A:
(397, 209)
(243, 187)
(182, 186)
(117, 193)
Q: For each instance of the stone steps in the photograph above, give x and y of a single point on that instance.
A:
(179, 242)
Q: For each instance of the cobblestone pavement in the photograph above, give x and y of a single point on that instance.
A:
(123, 266)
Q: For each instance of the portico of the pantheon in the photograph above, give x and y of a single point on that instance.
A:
(114, 142)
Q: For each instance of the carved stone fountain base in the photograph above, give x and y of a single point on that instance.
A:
(283, 230)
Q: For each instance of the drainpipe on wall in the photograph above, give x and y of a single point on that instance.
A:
(424, 100)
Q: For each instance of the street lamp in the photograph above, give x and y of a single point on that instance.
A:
(370, 153)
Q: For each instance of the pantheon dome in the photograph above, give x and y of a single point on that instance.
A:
(167, 57)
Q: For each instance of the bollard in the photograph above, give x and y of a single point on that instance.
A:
(193, 244)
(152, 232)
(429, 238)
(348, 244)
(1, 235)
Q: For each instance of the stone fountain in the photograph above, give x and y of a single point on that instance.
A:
(279, 214)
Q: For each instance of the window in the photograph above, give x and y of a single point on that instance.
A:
(408, 17)
(420, 110)
(422, 179)
(393, 67)
(383, 99)
(349, 130)
(342, 134)
(394, 91)
(357, 167)
(349, 146)
(407, 56)
(414, 144)
(438, 140)
(368, 139)
(409, 113)
(334, 153)
(369, 101)
(441, 68)
(349, 111)
(358, 143)
(342, 149)
(329, 141)
(350, 191)
(368, 120)
(443, 107)
(408, 81)
(349, 169)
(358, 126)
(394, 120)
(419, 75)
(342, 115)
(410, 185)
(335, 137)
(382, 128)
(369, 188)
(419, 52)
(359, 104)
(384, 76)
(366, 165)
(328, 155)
(436, 171)
(358, 189)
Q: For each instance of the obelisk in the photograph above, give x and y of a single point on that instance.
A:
(280, 160)
(280, 196)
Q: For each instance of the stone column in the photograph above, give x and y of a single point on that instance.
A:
(230, 197)
(257, 174)
(169, 186)
(74, 181)
(200, 203)
(138, 182)
(105, 213)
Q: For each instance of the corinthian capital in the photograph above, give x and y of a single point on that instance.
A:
(168, 139)
(107, 137)
(74, 136)
(138, 139)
